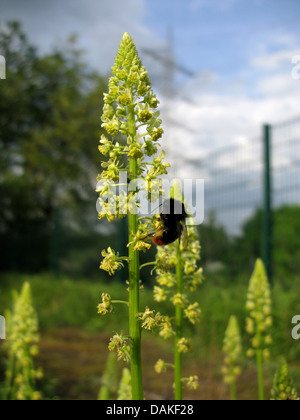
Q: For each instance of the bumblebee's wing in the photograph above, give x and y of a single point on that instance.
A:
(184, 237)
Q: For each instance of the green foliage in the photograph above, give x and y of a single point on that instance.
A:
(48, 122)
(215, 243)
(247, 247)
(286, 244)
(109, 379)
(63, 303)
(124, 392)
(49, 129)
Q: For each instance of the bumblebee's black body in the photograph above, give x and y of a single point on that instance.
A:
(172, 218)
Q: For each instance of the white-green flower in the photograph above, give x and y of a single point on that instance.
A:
(232, 349)
(259, 309)
(130, 99)
(283, 386)
(22, 342)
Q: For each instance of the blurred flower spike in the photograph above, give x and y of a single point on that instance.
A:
(232, 349)
(22, 342)
(259, 320)
(283, 386)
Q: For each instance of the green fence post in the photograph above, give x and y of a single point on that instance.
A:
(267, 227)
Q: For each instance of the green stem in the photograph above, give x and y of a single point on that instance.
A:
(232, 384)
(134, 285)
(179, 322)
(148, 264)
(120, 301)
(233, 391)
(10, 393)
(260, 372)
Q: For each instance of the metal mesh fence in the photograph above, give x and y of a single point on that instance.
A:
(234, 176)
(286, 162)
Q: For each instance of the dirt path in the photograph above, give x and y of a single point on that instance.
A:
(73, 361)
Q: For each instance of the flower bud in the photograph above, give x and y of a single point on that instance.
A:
(258, 306)
(283, 387)
(232, 349)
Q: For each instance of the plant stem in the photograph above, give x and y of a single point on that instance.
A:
(148, 264)
(233, 391)
(120, 301)
(179, 322)
(134, 285)
(259, 357)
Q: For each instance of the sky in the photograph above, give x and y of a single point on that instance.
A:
(238, 52)
(241, 60)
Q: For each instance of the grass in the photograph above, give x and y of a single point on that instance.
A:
(74, 338)
(63, 302)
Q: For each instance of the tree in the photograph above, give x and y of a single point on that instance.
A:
(214, 241)
(286, 247)
(49, 129)
(286, 242)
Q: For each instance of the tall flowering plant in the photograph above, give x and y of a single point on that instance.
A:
(259, 320)
(22, 345)
(283, 386)
(131, 121)
(232, 349)
(178, 277)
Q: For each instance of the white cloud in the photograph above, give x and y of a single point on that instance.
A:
(279, 84)
(219, 117)
(273, 61)
(99, 24)
(216, 120)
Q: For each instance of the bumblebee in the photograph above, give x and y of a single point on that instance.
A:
(171, 224)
